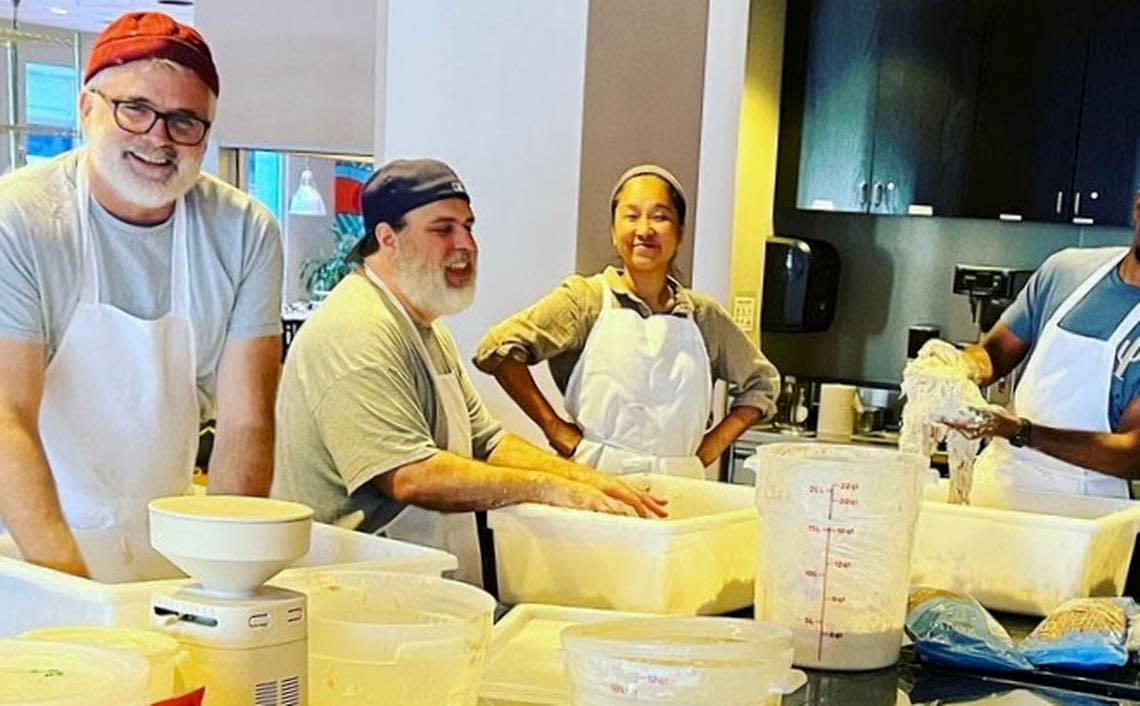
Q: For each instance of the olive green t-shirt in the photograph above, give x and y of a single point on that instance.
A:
(356, 400)
(555, 329)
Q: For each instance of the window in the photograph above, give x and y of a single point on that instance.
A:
(264, 179)
(49, 94)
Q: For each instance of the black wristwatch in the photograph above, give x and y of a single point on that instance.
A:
(1024, 434)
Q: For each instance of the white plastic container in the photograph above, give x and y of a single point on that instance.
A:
(834, 566)
(1024, 552)
(701, 559)
(383, 639)
(525, 657)
(161, 651)
(33, 596)
(62, 674)
(680, 661)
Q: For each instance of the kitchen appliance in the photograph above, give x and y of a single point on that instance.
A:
(801, 281)
(245, 642)
(990, 291)
(917, 335)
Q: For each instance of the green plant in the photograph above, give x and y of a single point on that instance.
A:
(320, 274)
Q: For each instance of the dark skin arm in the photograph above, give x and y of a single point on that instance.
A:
(722, 435)
(1115, 453)
(516, 380)
(995, 356)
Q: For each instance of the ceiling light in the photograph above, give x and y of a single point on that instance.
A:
(57, 10)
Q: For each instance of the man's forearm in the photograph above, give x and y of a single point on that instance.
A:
(722, 435)
(29, 505)
(1115, 454)
(242, 460)
(451, 483)
(516, 452)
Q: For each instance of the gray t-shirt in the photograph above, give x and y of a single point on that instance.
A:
(1097, 315)
(356, 400)
(235, 259)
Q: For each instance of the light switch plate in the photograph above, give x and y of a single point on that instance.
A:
(744, 312)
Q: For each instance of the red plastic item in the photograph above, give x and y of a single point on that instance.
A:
(190, 698)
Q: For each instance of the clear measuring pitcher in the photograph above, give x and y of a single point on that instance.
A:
(836, 525)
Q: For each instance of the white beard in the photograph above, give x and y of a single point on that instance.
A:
(425, 287)
(108, 159)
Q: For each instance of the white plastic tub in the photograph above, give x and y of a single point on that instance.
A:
(691, 661)
(62, 674)
(386, 639)
(34, 597)
(701, 559)
(161, 651)
(1024, 552)
(525, 658)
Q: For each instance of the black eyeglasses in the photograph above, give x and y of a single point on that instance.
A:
(138, 118)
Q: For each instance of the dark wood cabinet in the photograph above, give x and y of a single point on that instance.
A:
(887, 102)
(1028, 110)
(928, 71)
(1022, 109)
(1108, 151)
(838, 110)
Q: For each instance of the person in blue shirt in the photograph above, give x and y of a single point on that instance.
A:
(1077, 423)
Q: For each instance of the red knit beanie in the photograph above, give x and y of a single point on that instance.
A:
(151, 35)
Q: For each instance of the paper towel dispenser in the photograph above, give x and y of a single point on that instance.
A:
(801, 281)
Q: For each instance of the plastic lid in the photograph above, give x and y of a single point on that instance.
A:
(147, 643)
(231, 508)
(695, 639)
(36, 673)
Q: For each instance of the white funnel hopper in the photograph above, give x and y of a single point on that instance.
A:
(231, 544)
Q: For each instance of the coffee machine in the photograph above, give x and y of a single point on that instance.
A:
(990, 291)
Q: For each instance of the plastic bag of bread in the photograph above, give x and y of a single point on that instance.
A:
(1084, 634)
(954, 630)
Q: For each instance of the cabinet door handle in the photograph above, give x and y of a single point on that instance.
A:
(1060, 201)
(877, 194)
(1077, 203)
(862, 189)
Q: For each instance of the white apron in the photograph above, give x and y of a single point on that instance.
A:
(453, 532)
(641, 393)
(119, 417)
(1066, 384)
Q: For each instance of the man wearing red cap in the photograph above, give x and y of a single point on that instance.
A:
(140, 297)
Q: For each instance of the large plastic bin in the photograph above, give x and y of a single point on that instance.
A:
(394, 639)
(524, 659)
(1024, 552)
(34, 596)
(699, 560)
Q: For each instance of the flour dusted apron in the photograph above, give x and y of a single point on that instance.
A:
(119, 416)
(641, 393)
(1066, 384)
(453, 532)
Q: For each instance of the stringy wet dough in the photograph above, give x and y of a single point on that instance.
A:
(936, 390)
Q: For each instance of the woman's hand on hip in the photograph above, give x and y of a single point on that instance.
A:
(564, 437)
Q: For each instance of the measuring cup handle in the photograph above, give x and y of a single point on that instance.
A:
(791, 682)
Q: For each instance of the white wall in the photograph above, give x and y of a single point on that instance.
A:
(295, 74)
(495, 89)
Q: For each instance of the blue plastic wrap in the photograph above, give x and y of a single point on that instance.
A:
(1083, 634)
(956, 631)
